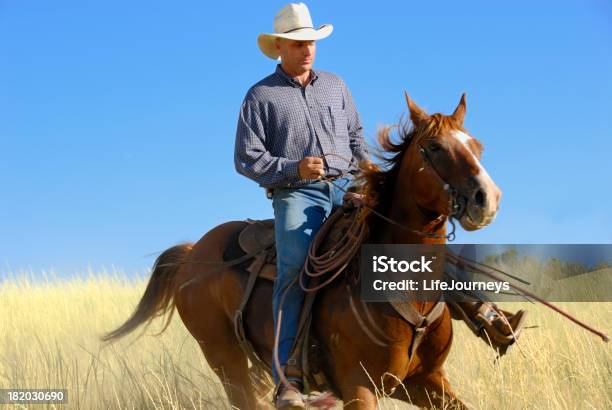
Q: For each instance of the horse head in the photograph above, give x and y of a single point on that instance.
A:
(444, 160)
(435, 168)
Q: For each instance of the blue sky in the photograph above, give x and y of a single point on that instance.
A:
(117, 119)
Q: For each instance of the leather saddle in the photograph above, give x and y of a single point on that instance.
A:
(258, 234)
(258, 237)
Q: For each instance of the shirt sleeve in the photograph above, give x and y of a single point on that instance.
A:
(358, 145)
(251, 157)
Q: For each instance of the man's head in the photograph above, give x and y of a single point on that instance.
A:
(294, 36)
(297, 56)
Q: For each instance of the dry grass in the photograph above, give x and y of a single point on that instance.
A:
(49, 339)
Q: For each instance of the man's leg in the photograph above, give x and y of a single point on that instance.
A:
(298, 214)
(496, 327)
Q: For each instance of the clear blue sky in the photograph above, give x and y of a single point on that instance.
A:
(117, 119)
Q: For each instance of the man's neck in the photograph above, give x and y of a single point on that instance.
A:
(304, 78)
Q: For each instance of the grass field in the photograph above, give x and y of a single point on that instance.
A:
(49, 339)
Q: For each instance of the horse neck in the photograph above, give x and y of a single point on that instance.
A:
(409, 216)
(403, 209)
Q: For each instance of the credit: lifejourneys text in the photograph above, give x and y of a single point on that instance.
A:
(437, 284)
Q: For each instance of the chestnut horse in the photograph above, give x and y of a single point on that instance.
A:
(435, 153)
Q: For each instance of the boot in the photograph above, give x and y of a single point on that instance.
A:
(290, 398)
(496, 327)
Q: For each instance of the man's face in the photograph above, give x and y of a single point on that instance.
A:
(297, 56)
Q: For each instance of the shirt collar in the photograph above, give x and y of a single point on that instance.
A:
(292, 80)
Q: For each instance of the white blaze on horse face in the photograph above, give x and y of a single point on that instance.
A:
(493, 194)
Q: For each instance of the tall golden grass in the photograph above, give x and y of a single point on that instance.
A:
(49, 334)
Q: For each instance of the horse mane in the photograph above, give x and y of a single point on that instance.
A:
(377, 181)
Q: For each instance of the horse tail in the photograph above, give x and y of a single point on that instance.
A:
(158, 297)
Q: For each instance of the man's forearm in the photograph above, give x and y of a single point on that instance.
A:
(267, 170)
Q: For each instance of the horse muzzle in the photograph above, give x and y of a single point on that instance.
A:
(480, 207)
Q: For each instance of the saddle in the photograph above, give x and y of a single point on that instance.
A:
(258, 238)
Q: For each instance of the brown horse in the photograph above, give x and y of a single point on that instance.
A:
(435, 153)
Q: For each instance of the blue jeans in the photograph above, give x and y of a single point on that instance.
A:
(298, 215)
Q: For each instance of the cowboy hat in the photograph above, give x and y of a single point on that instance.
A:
(292, 22)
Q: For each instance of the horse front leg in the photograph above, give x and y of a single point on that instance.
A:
(356, 392)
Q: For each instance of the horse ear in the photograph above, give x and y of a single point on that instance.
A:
(417, 115)
(459, 113)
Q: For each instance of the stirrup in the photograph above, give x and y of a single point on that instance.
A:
(293, 369)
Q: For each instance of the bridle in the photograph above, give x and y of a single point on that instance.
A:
(457, 203)
(456, 207)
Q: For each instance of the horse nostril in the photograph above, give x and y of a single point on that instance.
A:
(479, 198)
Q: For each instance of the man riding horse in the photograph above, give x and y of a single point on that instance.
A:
(296, 126)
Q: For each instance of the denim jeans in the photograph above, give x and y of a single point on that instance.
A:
(298, 215)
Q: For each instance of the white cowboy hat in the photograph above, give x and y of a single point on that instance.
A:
(294, 23)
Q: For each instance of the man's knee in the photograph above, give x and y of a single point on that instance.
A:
(291, 254)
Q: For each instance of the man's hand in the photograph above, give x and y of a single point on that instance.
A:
(311, 168)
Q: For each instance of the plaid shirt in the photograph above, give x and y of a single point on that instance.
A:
(281, 122)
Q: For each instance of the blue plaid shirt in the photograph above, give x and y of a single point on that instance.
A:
(282, 122)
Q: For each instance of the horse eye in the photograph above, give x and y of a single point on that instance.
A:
(435, 147)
